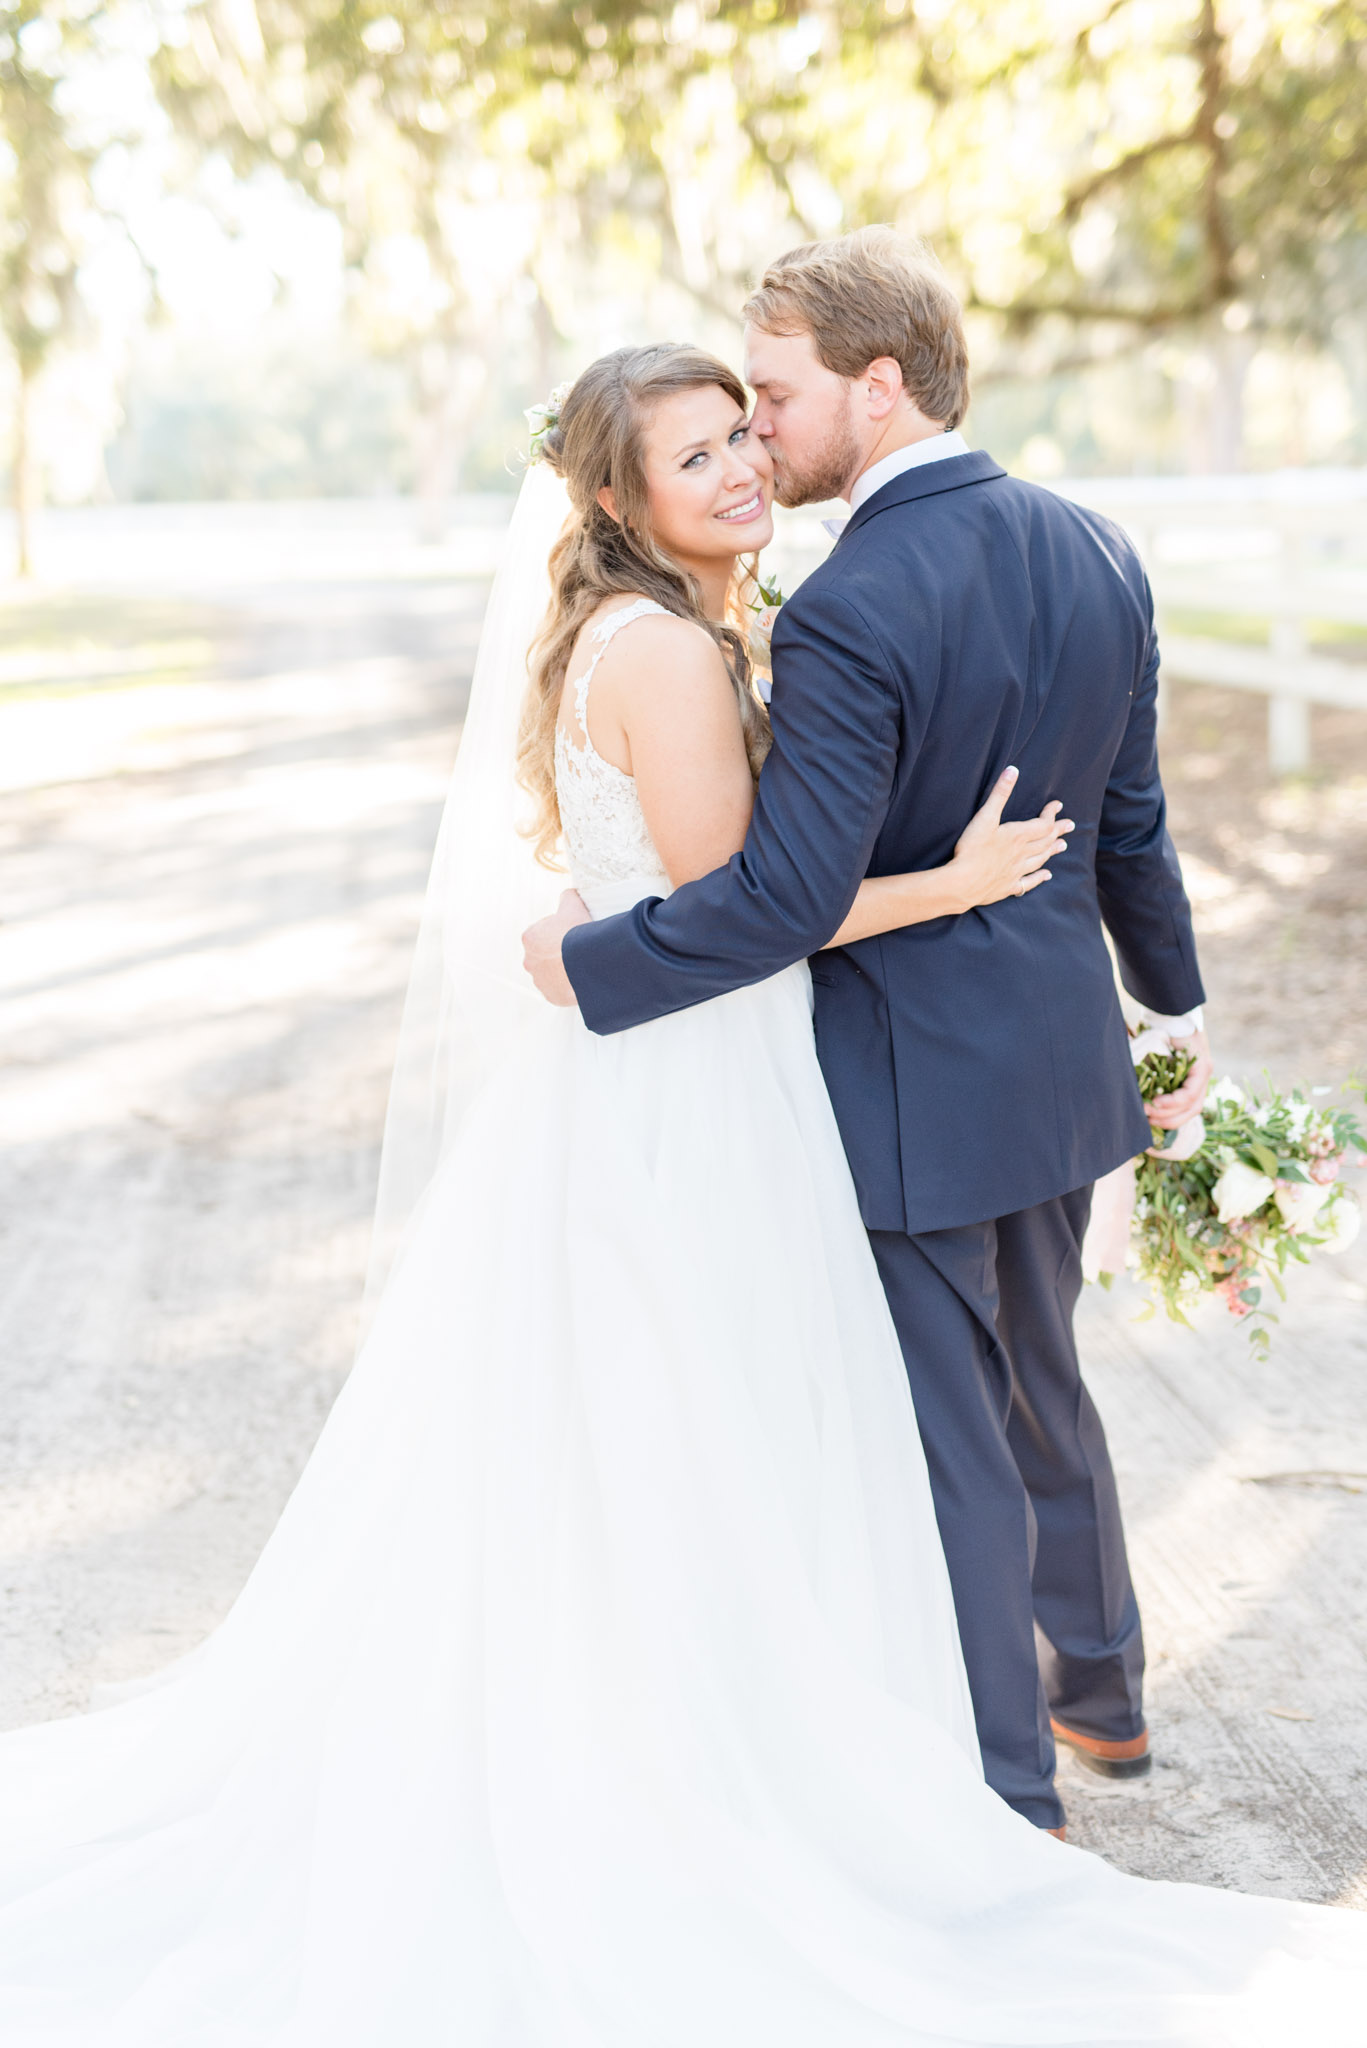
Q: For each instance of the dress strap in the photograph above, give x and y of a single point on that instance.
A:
(602, 633)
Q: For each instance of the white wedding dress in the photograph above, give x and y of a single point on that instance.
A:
(600, 1686)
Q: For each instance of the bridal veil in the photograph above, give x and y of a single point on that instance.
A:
(470, 1004)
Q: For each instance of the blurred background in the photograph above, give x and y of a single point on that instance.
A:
(316, 248)
(278, 279)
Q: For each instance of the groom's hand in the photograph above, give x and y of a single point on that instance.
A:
(1169, 1112)
(541, 950)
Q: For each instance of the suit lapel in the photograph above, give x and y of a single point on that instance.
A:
(926, 480)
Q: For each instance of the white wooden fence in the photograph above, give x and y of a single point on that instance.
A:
(1285, 551)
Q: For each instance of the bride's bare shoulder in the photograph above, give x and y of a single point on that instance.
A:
(658, 617)
(650, 637)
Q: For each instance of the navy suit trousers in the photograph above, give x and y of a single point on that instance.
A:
(1023, 1487)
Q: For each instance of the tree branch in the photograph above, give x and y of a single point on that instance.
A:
(1026, 312)
(1127, 166)
(1084, 35)
(1210, 46)
(1061, 366)
(703, 296)
(779, 174)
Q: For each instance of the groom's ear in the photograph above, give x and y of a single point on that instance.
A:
(607, 498)
(883, 382)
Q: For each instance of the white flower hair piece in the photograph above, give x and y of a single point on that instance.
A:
(543, 418)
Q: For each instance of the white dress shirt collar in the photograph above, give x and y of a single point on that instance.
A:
(936, 449)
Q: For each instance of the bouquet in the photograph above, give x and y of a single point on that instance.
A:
(1227, 1202)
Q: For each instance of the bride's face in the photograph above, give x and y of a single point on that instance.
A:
(709, 478)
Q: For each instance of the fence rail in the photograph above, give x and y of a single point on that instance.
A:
(1248, 572)
(1286, 553)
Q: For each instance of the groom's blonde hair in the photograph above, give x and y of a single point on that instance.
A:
(875, 292)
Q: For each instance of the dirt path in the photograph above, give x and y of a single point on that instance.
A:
(203, 946)
(202, 956)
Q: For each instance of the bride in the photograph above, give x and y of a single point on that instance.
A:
(600, 1685)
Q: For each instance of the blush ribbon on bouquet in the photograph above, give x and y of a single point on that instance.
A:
(1105, 1248)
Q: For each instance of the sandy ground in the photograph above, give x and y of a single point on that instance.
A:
(217, 795)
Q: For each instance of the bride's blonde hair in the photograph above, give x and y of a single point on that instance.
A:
(598, 440)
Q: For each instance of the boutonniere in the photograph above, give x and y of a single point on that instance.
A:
(764, 609)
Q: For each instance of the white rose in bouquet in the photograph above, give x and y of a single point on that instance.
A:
(1240, 1191)
(1341, 1221)
(1227, 1093)
(1300, 1203)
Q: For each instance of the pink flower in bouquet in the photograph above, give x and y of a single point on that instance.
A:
(1326, 1171)
(1231, 1294)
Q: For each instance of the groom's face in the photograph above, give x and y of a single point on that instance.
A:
(804, 414)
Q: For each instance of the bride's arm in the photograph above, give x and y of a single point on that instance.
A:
(664, 708)
(991, 861)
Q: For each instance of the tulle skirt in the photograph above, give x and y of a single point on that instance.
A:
(600, 1685)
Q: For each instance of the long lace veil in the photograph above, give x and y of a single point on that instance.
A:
(469, 1002)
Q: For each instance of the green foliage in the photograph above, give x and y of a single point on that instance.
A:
(1133, 164)
(44, 178)
(1162, 1073)
(46, 162)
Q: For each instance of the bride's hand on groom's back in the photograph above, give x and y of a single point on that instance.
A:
(992, 860)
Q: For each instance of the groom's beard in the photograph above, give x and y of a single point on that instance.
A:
(821, 472)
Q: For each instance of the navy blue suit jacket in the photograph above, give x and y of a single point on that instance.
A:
(977, 1064)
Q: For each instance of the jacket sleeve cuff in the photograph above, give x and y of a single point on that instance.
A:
(577, 952)
(1177, 1027)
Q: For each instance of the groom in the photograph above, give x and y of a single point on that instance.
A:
(978, 1065)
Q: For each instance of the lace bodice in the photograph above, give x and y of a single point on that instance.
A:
(606, 838)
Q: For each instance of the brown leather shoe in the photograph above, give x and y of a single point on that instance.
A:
(1059, 1834)
(1108, 1759)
